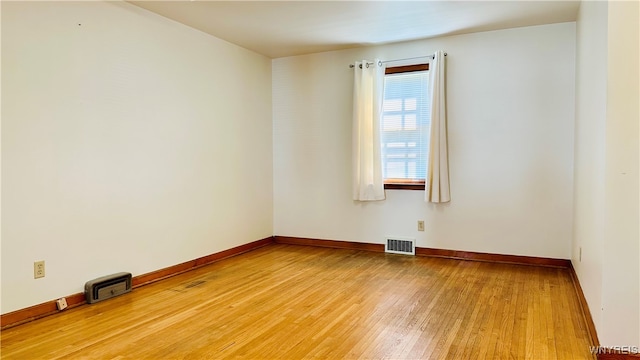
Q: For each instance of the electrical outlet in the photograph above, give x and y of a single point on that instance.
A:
(420, 225)
(580, 254)
(38, 269)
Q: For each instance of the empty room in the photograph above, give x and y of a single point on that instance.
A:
(320, 179)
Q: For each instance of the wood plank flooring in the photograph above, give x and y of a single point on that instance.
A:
(295, 302)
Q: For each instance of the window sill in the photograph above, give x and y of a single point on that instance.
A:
(404, 185)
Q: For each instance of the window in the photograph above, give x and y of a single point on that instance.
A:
(405, 127)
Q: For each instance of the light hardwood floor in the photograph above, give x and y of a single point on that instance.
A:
(293, 302)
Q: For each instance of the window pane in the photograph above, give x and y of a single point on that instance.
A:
(392, 105)
(410, 122)
(410, 104)
(395, 169)
(392, 122)
(405, 125)
(411, 170)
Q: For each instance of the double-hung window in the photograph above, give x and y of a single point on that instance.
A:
(405, 127)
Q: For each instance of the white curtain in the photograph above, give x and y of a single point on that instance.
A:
(367, 105)
(437, 181)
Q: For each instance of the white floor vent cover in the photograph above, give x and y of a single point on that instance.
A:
(398, 245)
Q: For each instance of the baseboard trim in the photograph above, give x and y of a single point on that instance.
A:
(584, 307)
(31, 313)
(174, 270)
(349, 245)
(38, 311)
(452, 254)
(490, 257)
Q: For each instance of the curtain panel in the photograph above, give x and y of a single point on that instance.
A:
(437, 181)
(368, 184)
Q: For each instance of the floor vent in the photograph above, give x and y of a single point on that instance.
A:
(106, 287)
(400, 246)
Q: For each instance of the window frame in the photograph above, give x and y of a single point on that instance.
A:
(405, 184)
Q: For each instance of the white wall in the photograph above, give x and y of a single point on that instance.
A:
(606, 176)
(511, 112)
(590, 134)
(129, 143)
(621, 263)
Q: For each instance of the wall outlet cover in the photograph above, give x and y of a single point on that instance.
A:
(38, 269)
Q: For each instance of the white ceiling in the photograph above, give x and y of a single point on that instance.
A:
(286, 28)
